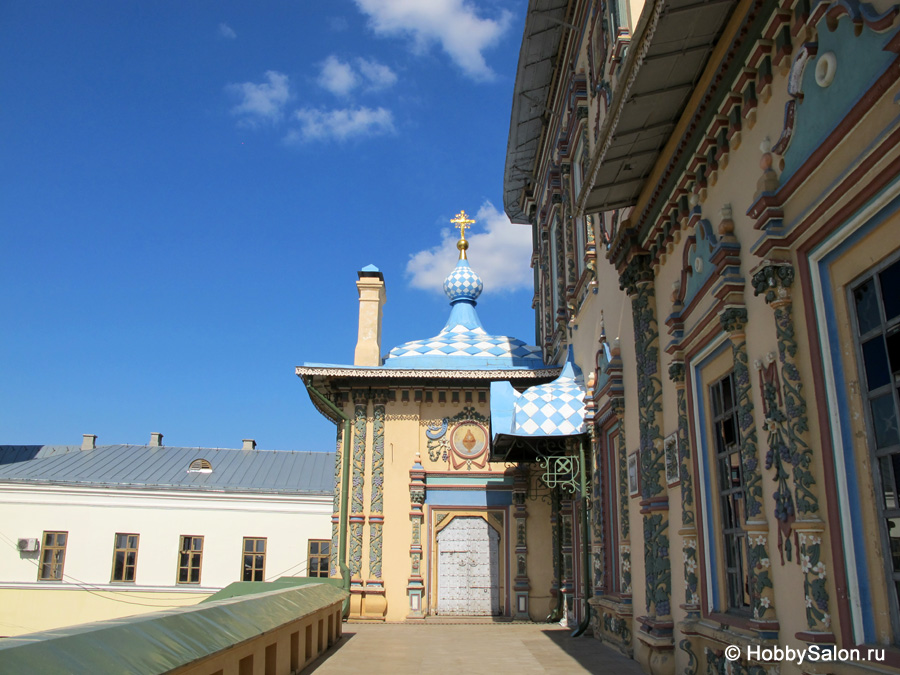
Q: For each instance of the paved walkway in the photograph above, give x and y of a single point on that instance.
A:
(493, 648)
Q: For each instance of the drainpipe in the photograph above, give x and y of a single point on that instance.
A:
(345, 489)
(557, 612)
(585, 553)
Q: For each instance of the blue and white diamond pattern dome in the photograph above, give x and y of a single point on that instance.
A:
(463, 283)
(553, 409)
(463, 344)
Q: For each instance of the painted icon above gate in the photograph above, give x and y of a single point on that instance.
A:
(469, 441)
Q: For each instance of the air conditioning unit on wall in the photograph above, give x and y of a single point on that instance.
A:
(28, 545)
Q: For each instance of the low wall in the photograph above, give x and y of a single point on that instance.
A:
(276, 632)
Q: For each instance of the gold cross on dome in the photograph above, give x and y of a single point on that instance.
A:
(462, 221)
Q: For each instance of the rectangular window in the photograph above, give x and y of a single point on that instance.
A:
(125, 557)
(254, 568)
(53, 556)
(730, 486)
(317, 560)
(876, 302)
(190, 557)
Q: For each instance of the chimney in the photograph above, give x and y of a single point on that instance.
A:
(249, 444)
(88, 441)
(371, 300)
(156, 439)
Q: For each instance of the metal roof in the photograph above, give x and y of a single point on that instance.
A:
(143, 466)
(161, 642)
(669, 51)
(543, 31)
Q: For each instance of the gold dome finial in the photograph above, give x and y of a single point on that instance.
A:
(462, 221)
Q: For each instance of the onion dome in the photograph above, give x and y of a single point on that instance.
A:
(463, 283)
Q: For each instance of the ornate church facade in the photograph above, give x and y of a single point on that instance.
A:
(430, 519)
(714, 193)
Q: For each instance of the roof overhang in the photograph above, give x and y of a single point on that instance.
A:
(516, 448)
(323, 374)
(669, 52)
(544, 27)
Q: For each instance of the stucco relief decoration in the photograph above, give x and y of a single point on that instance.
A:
(814, 576)
(436, 442)
(455, 439)
(795, 91)
(468, 442)
(778, 455)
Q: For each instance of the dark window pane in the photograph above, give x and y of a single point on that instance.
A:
(875, 359)
(61, 539)
(888, 485)
(893, 347)
(129, 574)
(120, 540)
(866, 307)
(248, 544)
(195, 575)
(729, 435)
(198, 543)
(893, 525)
(182, 575)
(324, 547)
(727, 402)
(260, 545)
(884, 419)
(890, 290)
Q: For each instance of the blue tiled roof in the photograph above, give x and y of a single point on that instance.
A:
(552, 409)
(167, 467)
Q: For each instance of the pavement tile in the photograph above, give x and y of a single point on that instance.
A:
(487, 648)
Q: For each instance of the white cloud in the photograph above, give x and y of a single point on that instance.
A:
(340, 77)
(227, 31)
(454, 24)
(378, 75)
(337, 76)
(340, 124)
(501, 255)
(262, 102)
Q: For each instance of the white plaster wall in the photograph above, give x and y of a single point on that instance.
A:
(93, 516)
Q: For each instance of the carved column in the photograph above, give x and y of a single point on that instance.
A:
(357, 484)
(688, 529)
(415, 587)
(375, 597)
(521, 585)
(637, 279)
(618, 407)
(762, 596)
(787, 427)
(336, 509)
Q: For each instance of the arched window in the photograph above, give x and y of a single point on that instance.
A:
(200, 466)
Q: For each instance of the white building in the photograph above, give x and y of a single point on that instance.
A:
(95, 532)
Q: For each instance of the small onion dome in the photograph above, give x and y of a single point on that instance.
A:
(463, 283)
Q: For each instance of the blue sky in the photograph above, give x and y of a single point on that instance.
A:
(188, 190)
